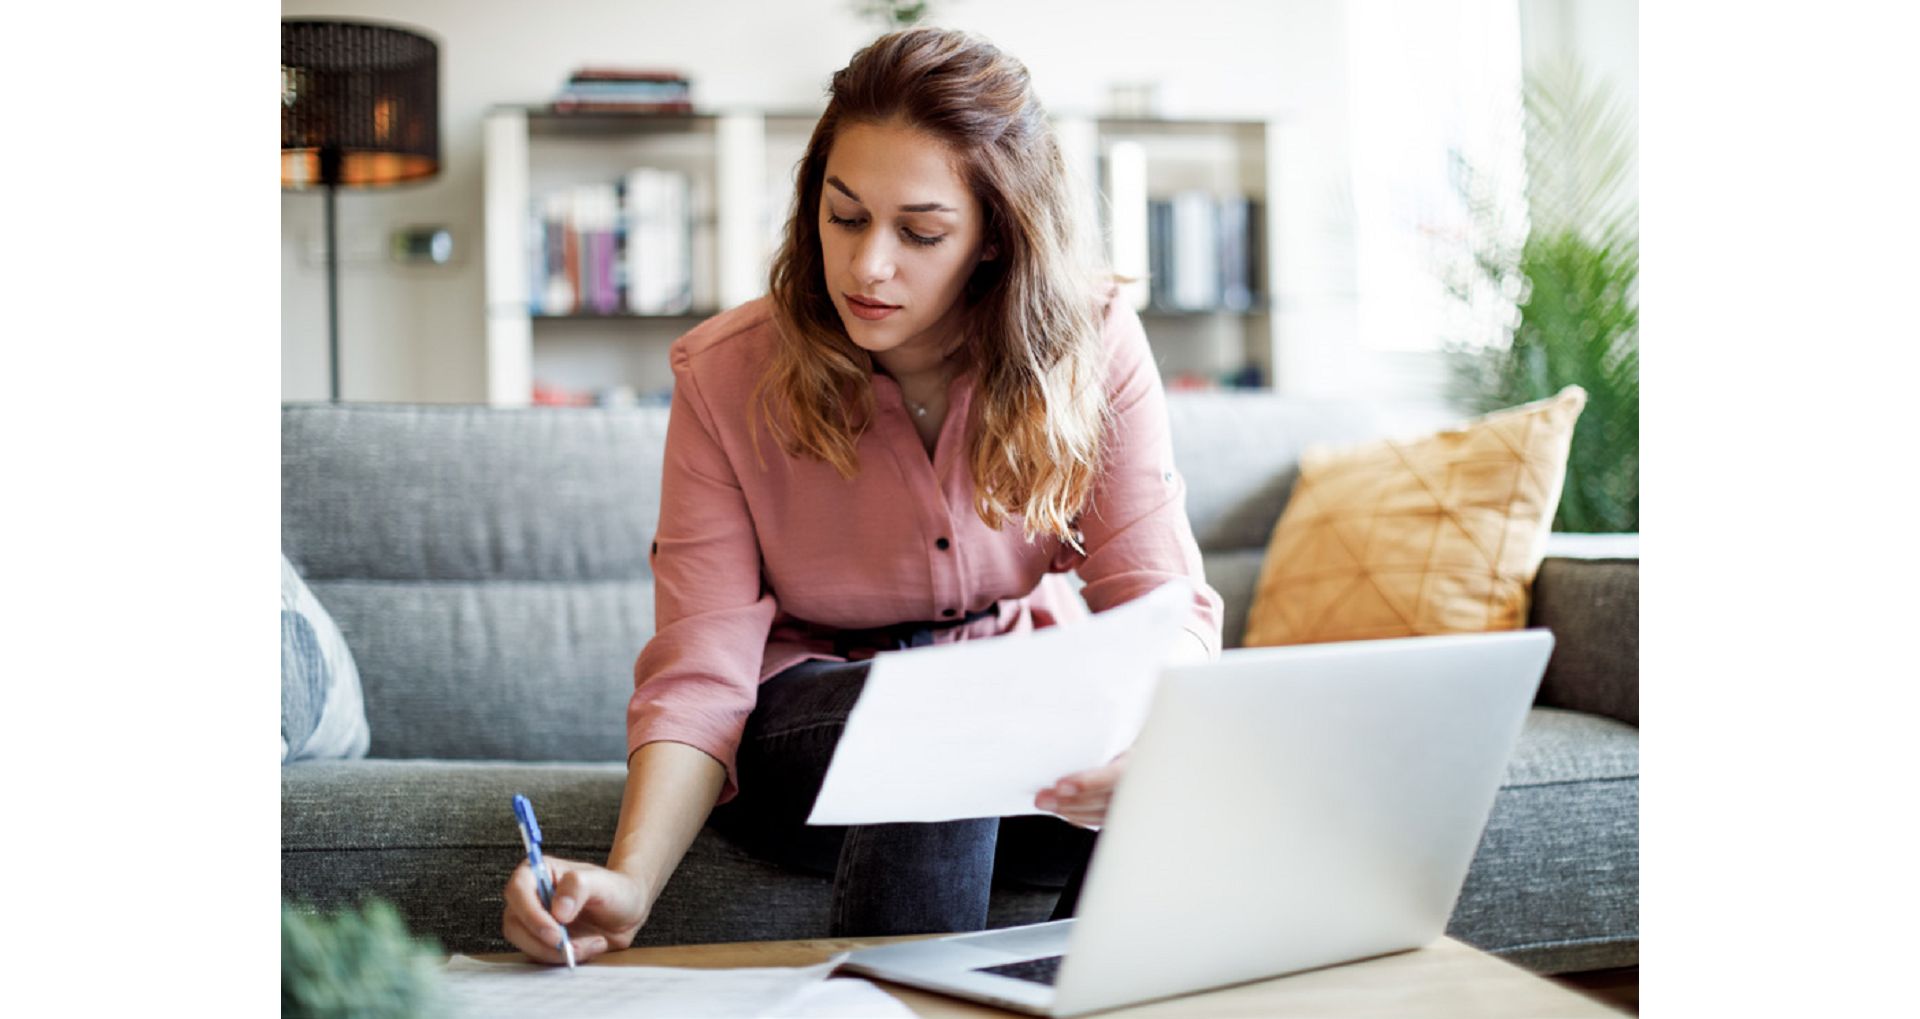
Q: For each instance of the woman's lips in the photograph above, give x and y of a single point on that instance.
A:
(869, 312)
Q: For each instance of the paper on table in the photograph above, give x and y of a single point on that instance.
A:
(509, 990)
(843, 998)
(977, 728)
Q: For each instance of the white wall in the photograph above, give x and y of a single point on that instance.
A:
(417, 334)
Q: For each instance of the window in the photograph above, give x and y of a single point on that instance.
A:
(1435, 109)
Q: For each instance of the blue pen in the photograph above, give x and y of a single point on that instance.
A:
(530, 837)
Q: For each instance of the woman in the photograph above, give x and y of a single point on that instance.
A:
(939, 408)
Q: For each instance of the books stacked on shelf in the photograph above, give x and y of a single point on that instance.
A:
(553, 394)
(1203, 252)
(615, 247)
(1246, 376)
(575, 251)
(624, 90)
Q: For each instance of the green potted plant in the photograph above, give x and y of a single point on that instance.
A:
(358, 963)
(1575, 286)
(894, 14)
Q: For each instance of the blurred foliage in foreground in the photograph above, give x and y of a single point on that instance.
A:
(356, 963)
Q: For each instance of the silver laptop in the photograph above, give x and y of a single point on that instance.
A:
(1283, 809)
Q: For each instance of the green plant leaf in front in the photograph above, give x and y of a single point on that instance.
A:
(357, 963)
(1575, 284)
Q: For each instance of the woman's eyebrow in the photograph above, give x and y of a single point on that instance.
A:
(920, 207)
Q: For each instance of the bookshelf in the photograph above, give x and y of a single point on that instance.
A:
(1207, 326)
(738, 167)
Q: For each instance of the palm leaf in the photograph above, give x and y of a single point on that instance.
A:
(1576, 286)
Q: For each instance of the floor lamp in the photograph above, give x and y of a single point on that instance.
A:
(359, 108)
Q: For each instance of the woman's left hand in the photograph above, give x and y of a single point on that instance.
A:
(1082, 797)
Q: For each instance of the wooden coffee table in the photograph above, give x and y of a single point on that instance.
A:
(1445, 979)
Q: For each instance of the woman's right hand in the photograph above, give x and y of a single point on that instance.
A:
(602, 910)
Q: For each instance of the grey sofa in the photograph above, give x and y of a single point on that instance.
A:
(489, 571)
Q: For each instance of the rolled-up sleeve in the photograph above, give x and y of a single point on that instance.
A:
(696, 681)
(1135, 532)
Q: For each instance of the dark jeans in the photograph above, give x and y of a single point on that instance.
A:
(887, 878)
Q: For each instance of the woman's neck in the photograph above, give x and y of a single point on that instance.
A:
(921, 373)
(918, 367)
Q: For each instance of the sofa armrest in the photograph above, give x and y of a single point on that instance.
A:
(1593, 608)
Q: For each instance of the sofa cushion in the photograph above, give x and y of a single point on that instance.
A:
(463, 493)
(1554, 882)
(322, 711)
(1238, 453)
(437, 839)
(1438, 535)
(1233, 573)
(1560, 746)
(1593, 608)
(503, 670)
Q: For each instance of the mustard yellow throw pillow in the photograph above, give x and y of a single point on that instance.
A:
(1398, 539)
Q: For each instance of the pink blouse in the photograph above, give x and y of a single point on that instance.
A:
(747, 555)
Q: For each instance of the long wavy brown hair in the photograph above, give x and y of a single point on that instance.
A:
(1032, 316)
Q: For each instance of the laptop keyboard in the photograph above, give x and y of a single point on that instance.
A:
(1040, 971)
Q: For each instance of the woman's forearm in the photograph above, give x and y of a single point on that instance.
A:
(671, 788)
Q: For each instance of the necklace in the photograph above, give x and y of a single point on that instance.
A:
(919, 407)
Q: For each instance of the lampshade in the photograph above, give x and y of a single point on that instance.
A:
(359, 104)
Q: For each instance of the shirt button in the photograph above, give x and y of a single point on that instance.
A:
(949, 613)
(942, 544)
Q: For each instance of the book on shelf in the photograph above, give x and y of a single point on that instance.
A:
(1203, 252)
(1239, 240)
(1196, 273)
(1246, 376)
(554, 255)
(635, 90)
(578, 105)
(658, 210)
(597, 217)
(613, 247)
(624, 90)
(591, 73)
(553, 394)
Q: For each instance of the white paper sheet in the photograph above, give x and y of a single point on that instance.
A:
(507, 990)
(977, 728)
(843, 998)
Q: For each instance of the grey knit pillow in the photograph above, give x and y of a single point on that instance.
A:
(322, 714)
